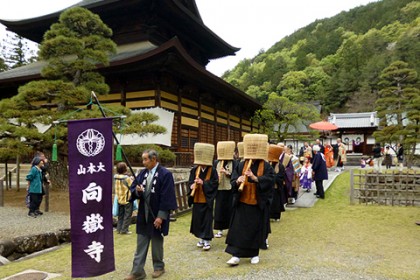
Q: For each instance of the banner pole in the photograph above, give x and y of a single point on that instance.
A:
(124, 156)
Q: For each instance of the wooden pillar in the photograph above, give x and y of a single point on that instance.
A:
(157, 92)
(6, 178)
(123, 92)
(1, 193)
(364, 144)
(228, 125)
(199, 117)
(17, 172)
(241, 119)
(215, 125)
(179, 115)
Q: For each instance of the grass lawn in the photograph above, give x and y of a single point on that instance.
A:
(380, 242)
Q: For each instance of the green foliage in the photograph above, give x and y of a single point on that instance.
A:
(16, 52)
(72, 50)
(293, 85)
(333, 60)
(3, 66)
(74, 47)
(142, 123)
(281, 117)
(398, 106)
(134, 153)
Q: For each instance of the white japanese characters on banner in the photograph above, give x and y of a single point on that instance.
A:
(90, 187)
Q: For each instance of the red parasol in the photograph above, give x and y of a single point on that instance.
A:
(323, 125)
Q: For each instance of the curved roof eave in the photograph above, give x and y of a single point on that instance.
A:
(151, 51)
(198, 20)
(174, 43)
(16, 25)
(56, 14)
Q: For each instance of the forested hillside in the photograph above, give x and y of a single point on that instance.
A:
(336, 61)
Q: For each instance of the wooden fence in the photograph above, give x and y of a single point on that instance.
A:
(2, 179)
(181, 192)
(6, 182)
(390, 188)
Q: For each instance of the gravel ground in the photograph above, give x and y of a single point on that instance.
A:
(15, 222)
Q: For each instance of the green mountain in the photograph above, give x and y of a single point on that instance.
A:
(336, 61)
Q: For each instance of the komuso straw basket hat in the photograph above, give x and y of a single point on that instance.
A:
(256, 146)
(225, 150)
(241, 149)
(274, 152)
(203, 154)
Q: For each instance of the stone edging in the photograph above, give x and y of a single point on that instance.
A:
(22, 246)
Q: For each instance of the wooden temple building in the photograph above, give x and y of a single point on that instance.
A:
(163, 48)
(356, 131)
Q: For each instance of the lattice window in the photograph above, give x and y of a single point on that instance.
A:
(235, 135)
(221, 133)
(206, 132)
(188, 138)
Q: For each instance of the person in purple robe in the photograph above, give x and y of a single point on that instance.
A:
(289, 172)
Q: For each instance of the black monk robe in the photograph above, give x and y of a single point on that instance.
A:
(248, 228)
(203, 201)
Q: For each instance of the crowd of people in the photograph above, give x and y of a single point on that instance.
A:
(246, 188)
(335, 154)
(240, 193)
(387, 156)
(236, 197)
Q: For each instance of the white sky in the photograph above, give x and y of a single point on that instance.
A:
(246, 24)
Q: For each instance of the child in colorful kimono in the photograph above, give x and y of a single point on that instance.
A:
(306, 175)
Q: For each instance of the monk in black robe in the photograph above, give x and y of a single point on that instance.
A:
(203, 201)
(279, 193)
(248, 229)
(223, 206)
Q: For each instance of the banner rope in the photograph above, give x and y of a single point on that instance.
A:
(126, 160)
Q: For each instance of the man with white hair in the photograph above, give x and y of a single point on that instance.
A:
(319, 171)
(322, 148)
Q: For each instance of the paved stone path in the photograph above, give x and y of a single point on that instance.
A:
(308, 199)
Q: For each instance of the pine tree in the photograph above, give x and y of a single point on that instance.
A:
(16, 51)
(3, 65)
(281, 117)
(398, 107)
(72, 48)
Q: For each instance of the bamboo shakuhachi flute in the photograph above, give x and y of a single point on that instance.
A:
(241, 187)
(197, 175)
(221, 166)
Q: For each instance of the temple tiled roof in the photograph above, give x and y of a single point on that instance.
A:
(354, 120)
(123, 52)
(182, 15)
(170, 56)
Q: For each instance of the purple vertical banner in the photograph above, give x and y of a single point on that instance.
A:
(90, 186)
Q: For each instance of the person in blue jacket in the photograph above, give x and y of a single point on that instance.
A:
(34, 179)
(155, 188)
(319, 171)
